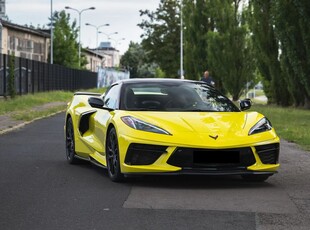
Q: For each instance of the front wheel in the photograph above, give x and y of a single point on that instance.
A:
(112, 157)
(70, 143)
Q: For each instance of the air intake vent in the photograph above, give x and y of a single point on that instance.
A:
(142, 154)
(268, 154)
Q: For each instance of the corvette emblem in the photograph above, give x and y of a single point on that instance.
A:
(214, 137)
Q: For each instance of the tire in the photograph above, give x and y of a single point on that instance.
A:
(255, 178)
(70, 143)
(112, 157)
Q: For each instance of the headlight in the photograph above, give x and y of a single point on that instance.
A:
(261, 126)
(143, 126)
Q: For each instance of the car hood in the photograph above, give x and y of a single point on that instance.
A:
(226, 128)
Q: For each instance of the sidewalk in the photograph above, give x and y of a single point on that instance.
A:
(8, 123)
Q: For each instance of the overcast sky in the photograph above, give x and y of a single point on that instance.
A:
(122, 15)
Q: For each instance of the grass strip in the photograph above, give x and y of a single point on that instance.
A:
(291, 124)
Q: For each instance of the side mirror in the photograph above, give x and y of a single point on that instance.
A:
(245, 104)
(95, 102)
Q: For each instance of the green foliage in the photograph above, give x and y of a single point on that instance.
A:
(65, 46)
(161, 38)
(266, 47)
(230, 48)
(292, 22)
(11, 82)
(281, 34)
(234, 39)
(136, 61)
(197, 22)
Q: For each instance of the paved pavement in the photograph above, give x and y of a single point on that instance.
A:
(8, 123)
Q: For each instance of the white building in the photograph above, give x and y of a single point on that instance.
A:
(112, 55)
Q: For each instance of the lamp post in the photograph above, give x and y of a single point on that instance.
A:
(79, 12)
(97, 31)
(181, 39)
(52, 33)
(108, 35)
(117, 40)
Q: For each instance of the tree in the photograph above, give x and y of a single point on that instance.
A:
(230, 48)
(197, 22)
(161, 38)
(65, 47)
(135, 61)
(11, 82)
(266, 48)
(292, 23)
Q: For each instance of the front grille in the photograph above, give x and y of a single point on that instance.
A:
(212, 158)
(143, 154)
(268, 154)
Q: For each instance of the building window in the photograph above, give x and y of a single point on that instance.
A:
(12, 43)
(37, 48)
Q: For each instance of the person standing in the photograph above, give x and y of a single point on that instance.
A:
(207, 78)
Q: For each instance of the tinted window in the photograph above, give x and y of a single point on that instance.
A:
(111, 98)
(175, 96)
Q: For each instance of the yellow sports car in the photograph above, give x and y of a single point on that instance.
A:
(169, 126)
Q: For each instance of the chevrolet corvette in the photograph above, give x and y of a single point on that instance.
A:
(169, 126)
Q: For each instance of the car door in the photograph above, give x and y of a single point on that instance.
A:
(103, 116)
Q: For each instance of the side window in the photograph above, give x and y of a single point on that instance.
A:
(111, 98)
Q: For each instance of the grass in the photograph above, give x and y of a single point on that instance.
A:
(26, 102)
(29, 101)
(29, 115)
(290, 124)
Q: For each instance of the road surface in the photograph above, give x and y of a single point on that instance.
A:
(39, 190)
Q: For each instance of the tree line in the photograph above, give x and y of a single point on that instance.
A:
(240, 42)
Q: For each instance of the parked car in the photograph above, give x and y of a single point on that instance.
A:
(169, 126)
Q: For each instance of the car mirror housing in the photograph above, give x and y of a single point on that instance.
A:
(245, 104)
(95, 102)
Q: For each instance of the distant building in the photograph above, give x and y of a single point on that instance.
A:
(112, 55)
(25, 42)
(94, 60)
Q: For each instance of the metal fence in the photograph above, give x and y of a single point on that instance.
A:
(33, 76)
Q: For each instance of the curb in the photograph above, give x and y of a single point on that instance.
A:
(4, 131)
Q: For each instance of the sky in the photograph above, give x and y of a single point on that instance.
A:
(122, 15)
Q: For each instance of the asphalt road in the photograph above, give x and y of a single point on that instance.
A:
(39, 190)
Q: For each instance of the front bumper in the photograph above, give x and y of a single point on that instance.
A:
(162, 159)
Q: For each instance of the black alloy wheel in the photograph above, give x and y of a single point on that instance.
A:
(112, 157)
(70, 144)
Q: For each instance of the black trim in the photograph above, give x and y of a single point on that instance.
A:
(84, 121)
(215, 159)
(268, 154)
(205, 172)
(143, 154)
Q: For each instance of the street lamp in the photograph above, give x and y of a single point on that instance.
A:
(79, 12)
(108, 35)
(97, 31)
(52, 33)
(181, 39)
(117, 40)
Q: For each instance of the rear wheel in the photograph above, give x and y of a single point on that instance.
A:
(256, 178)
(112, 157)
(70, 143)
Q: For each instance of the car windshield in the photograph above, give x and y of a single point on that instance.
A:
(174, 96)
